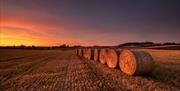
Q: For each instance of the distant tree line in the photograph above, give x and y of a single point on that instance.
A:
(38, 47)
(146, 44)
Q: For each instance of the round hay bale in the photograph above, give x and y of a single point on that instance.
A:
(77, 52)
(80, 52)
(89, 53)
(135, 62)
(84, 53)
(96, 54)
(112, 58)
(103, 56)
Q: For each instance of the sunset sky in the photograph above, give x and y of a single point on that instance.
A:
(88, 22)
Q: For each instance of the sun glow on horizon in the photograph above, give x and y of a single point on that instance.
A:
(16, 33)
(15, 40)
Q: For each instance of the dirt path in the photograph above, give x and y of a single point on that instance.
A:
(63, 71)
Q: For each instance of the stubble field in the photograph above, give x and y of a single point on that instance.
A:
(62, 70)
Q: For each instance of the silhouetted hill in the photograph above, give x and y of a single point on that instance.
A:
(137, 44)
(145, 44)
(151, 45)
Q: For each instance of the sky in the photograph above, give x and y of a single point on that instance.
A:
(88, 22)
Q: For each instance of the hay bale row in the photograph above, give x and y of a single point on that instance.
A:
(130, 62)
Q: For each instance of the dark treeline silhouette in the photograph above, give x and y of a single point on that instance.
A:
(146, 44)
(171, 43)
(39, 47)
(137, 44)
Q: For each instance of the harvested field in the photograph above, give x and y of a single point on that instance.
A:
(62, 70)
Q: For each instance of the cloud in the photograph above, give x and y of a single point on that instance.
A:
(45, 23)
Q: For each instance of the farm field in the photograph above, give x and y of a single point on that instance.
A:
(62, 70)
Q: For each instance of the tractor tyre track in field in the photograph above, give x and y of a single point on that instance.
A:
(24, 70)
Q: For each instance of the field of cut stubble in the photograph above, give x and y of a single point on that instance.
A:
(62, 70)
